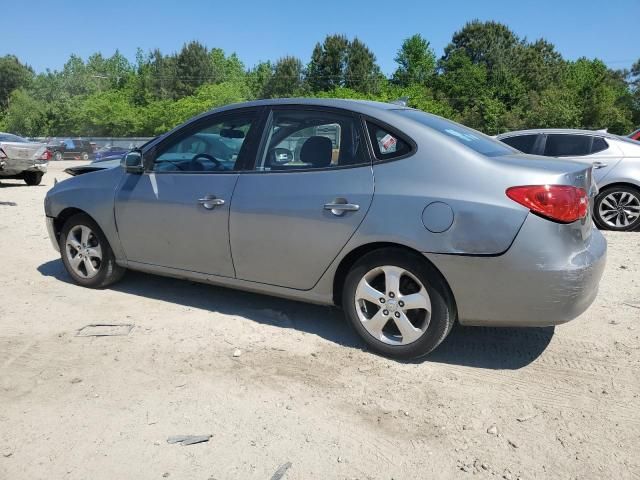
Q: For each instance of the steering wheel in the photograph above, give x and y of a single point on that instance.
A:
(211, 158)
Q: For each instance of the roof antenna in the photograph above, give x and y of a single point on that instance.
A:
(402, 101)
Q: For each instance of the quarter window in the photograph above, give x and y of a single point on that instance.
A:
(214, 147)
(559, 145)
(307, 140)
(386, 144)
(523, 143)
(599, 145)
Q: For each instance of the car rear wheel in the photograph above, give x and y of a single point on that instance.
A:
(618, 208)
(32, 178)
(57, 156)
(86, 253)
(398, 303)
(85, 156)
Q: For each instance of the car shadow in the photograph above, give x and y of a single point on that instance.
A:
(480, 347)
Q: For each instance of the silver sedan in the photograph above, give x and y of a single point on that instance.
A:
(408, 221)
(22, 159)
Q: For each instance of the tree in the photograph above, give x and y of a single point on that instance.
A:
(258, 78)
(416, 62)
(25, 115)
(361, 71)
(286, 80)
(328, 62)
(488, 43)
(13, 75)
(193, 67)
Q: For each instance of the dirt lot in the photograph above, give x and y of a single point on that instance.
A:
(490, 403)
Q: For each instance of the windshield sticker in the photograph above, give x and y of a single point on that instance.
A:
(387, 144)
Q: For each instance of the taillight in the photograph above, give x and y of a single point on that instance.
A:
(46, 155)
(560, 203)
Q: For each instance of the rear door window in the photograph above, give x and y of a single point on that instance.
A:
(524, 143)
(559, 145)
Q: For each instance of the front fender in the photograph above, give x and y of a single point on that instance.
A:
(92, 193)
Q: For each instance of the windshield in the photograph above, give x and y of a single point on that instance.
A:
(468, 137)
(8, 137)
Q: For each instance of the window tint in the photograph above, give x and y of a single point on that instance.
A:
(468, 137)
(305, 139)
(214, 147)
(386, 145)
(559, 145)
(524, 143)
(599, 145)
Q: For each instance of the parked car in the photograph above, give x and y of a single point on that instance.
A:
(416, 223)
(616, 163)
(71, 149)
(110, 151)
(635, 135)
(22, 159)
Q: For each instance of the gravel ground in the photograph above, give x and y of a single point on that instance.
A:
(275, 381)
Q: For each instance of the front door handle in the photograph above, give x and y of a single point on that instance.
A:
(340, 206)
(598, 165)
(210, 202)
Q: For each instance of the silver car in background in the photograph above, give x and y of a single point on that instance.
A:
(616, 164)
(22, 159)
(408, 221)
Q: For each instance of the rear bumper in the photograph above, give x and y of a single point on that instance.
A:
(549, 276)
(11, 167)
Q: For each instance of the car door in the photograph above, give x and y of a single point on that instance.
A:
(310, 189)
(589, 149)
(176, 213)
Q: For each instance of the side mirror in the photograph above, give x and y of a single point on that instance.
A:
(132, 162)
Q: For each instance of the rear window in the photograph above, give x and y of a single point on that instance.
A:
(524, 143)
(8, 137)
(468, 137)
(559, 145)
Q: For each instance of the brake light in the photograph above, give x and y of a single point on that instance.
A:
(560, 203)
(46, 155)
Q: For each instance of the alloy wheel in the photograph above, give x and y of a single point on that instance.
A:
(393, 305)
(83, 251)
(619, 209)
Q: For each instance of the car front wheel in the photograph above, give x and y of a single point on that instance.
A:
(618, 208)
(57, 156)
(398, 303)
(85, 156)
(86, 253)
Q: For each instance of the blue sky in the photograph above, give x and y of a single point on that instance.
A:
(267, 30)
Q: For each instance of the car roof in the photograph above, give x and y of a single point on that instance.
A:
(561, 131)
(361, 106)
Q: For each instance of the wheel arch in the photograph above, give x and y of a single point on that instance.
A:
(354, 255)
(635, 186)
(66, 214)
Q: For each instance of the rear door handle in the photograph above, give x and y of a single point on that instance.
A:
(210, 202)
(598, 165)
(340, 206)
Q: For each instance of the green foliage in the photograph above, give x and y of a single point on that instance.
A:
(488, 78)
(416, 62)
(13, 74)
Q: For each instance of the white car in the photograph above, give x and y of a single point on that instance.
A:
(22, 159)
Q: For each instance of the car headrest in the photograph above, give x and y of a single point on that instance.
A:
(316, 151)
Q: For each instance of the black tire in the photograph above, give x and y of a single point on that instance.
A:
(85, 156)
(443, 309)
(32, 178)
(108, 271)
(57, 156)
(617, 191)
